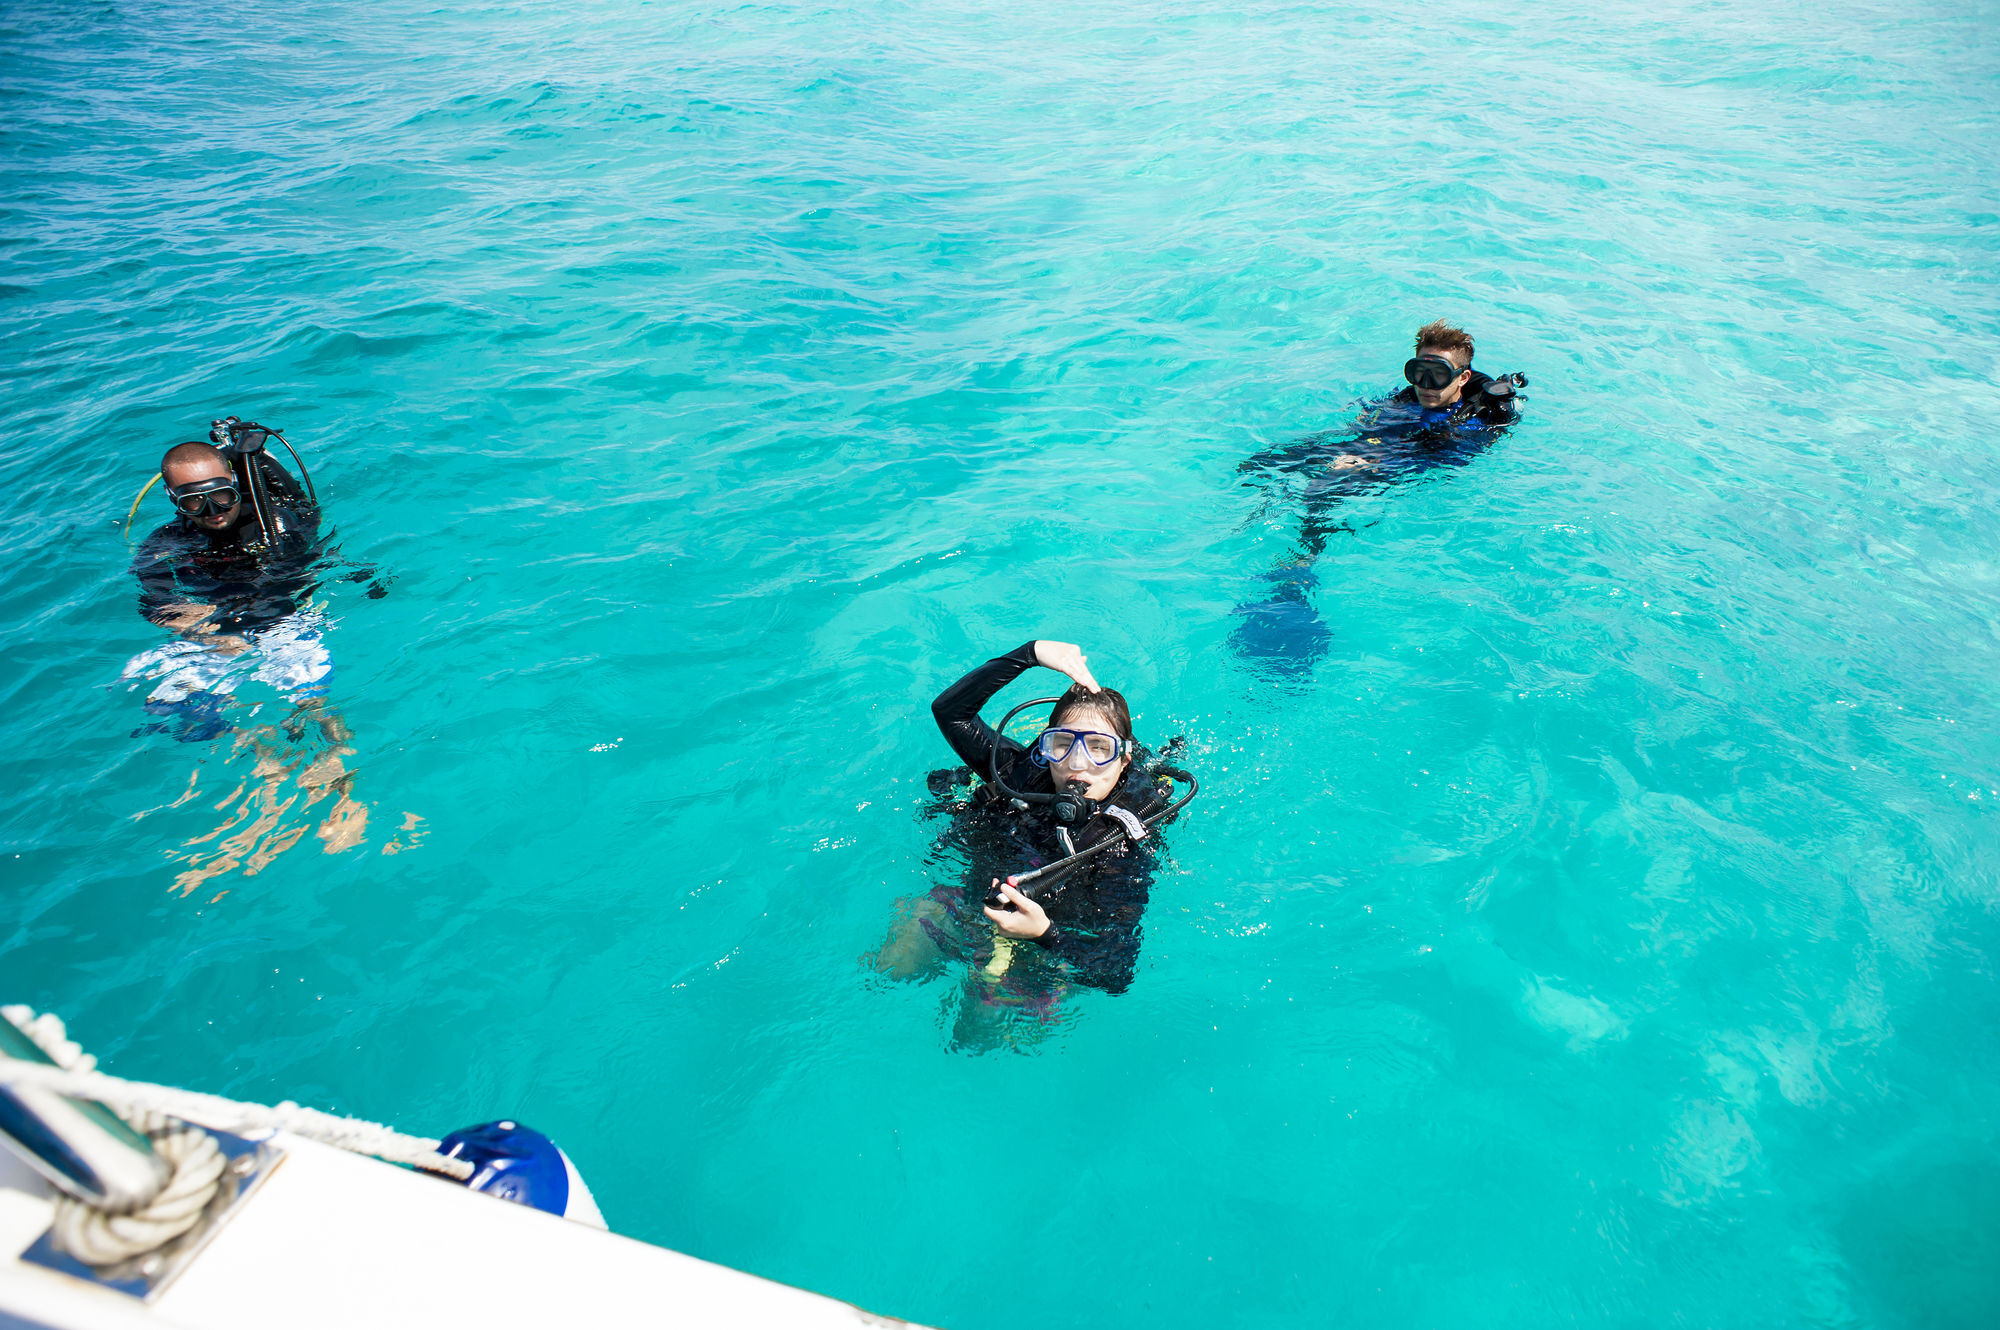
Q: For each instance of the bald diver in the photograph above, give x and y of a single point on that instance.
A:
(232, 575)
(1446, 416)
(233, 564)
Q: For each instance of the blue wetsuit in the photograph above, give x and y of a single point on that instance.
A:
(1397, 438)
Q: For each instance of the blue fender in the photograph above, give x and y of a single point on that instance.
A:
(519, 1164)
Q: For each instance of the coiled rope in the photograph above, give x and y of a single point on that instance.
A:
(164, 1115)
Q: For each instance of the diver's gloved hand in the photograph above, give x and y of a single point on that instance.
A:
(1022, 918)
(1068, 658)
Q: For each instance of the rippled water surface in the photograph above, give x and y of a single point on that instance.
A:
(1597, 927)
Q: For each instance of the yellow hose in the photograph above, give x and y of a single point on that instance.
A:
(135, 506)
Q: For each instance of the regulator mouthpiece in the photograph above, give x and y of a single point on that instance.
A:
(1073, 807)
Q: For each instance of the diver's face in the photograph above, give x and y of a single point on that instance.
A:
(1076, 765)
(1433, 398)
(188, 473)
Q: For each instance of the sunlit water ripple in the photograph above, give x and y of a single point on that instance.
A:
(1603, 932)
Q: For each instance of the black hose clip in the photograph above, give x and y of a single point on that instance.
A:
(237, 436)
(240, 443)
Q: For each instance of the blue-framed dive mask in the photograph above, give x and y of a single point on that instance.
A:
(1056, 744)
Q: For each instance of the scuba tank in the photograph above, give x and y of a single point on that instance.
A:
(242, 442)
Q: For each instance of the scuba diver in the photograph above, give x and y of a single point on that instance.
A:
(1447, 415)
(1069, 820)
(232, 575)
(235, 558)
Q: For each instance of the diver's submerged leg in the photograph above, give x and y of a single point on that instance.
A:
(914, 948)
(1283, 635)
(1007, 1003)
(346, 825)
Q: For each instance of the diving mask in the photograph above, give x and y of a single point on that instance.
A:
(1056, 744)
(1431, 373)
(199, 498)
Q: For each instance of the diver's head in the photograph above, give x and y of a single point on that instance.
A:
(202, 486)
(1443, 363)
(1089, 739)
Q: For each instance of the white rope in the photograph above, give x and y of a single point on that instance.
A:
(97, 1238)
(122, 1097)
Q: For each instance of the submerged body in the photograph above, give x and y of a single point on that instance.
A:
(1393, 439)
(237, 602)
(239, 581)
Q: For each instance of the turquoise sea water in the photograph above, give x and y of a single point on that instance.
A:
(1603, 932)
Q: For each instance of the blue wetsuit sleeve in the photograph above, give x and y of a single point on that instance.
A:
(957, 707)
(1301, 456)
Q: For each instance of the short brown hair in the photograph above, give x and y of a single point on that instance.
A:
(1437, 335)
(1106, 702)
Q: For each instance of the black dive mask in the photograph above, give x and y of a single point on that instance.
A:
(202, 497)
(1431, 373)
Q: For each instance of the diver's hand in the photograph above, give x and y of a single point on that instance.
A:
(211, 634)
(1348, 461)
(1026, 919)
(1067, 657)
(181, 616)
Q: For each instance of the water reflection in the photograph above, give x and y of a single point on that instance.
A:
(275, 783)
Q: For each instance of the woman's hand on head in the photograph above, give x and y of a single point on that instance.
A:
(1067, 657)
(1026, 919)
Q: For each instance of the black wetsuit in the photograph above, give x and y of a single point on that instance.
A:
(1399, 438)
(252, 585)
(1095, 908)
